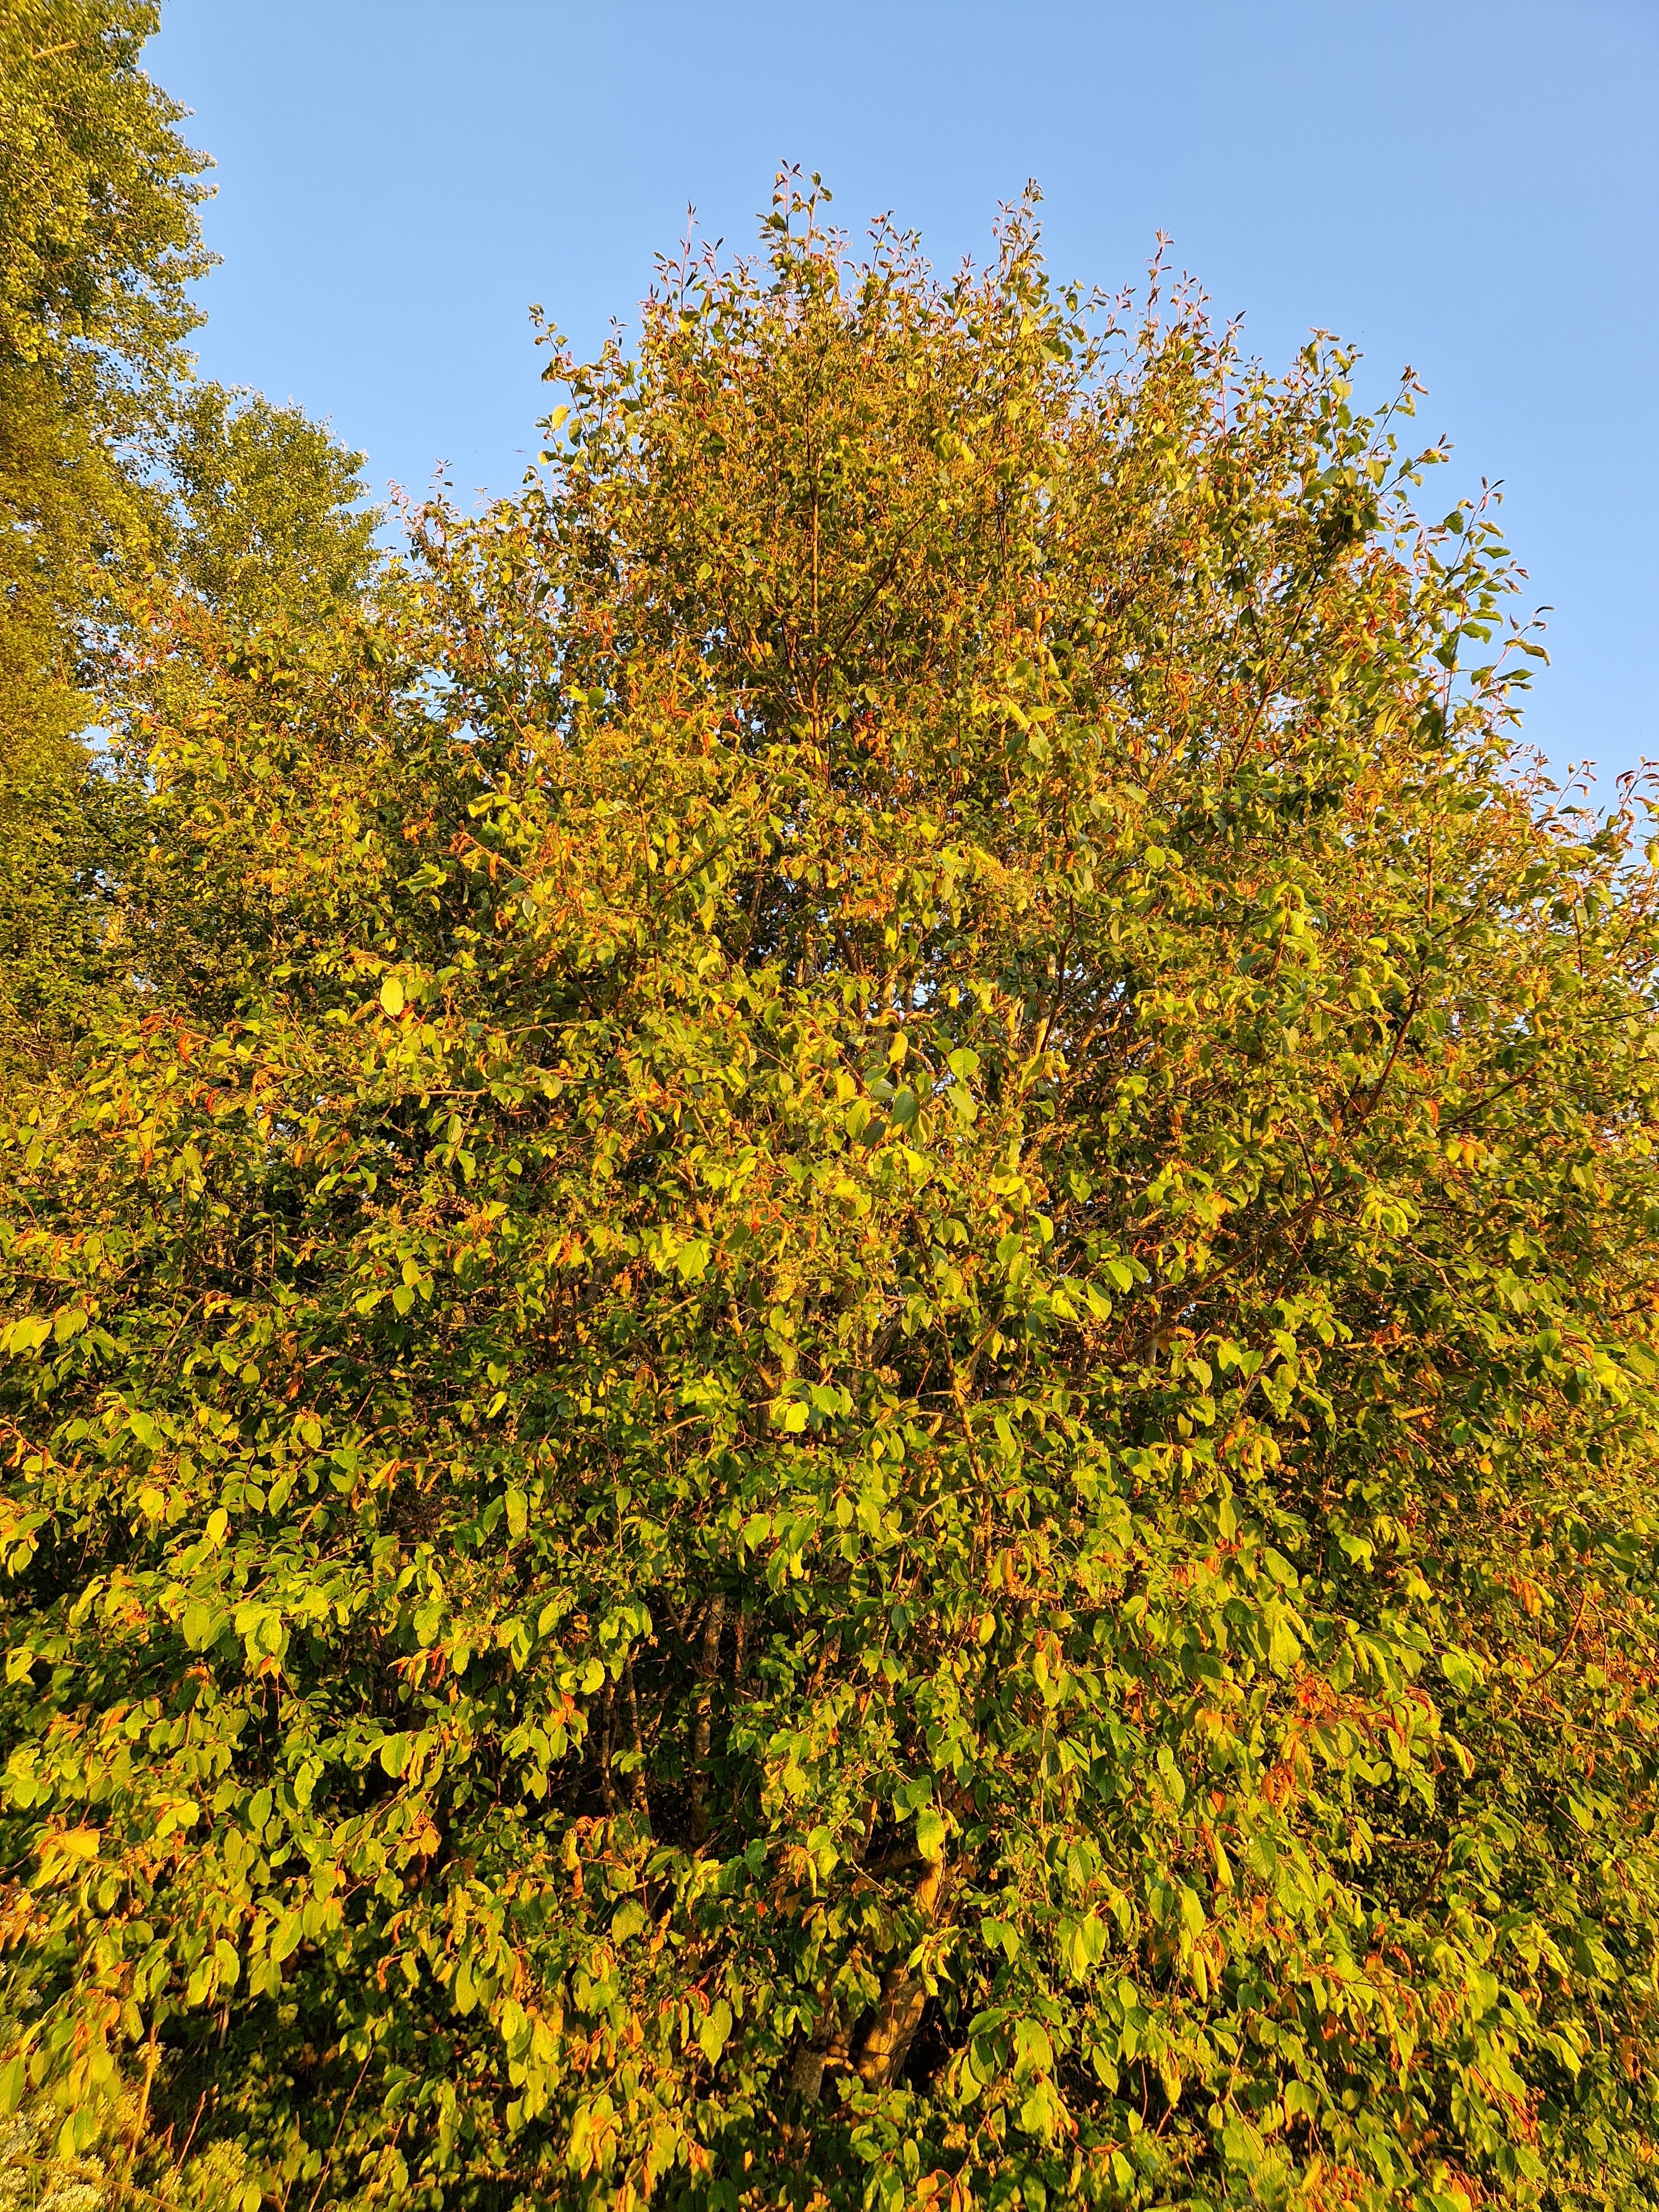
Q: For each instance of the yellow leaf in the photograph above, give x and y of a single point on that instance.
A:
(74, 1844)
(391, 995)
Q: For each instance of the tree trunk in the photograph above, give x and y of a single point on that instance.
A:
(903, 1999)
(641, 1801)
(606, 1787)
(827, 2047)
(702, 1731)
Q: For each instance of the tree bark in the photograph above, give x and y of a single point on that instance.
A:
(903, 1999)
(702, 1730)
(827, 2047)
(606, 1787)
(637, 1792)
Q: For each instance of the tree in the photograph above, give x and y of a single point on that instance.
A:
(98, 242)
(257, 537)
(852, 1402)
(122, 479)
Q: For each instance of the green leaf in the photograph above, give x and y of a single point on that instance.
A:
(1242, 2145)
(715, 2031)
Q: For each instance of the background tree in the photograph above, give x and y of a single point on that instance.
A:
(98, 244)
(123, 481)
(850, 1399)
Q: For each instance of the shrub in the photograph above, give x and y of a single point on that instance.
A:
(842, 1392)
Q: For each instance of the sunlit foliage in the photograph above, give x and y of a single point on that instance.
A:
(837, 1387)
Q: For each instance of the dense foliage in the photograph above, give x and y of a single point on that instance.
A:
(121, 476)
(835, 1383)
(98, 242)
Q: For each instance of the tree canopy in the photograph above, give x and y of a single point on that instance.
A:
(122, 478)
(98, 241)
(832, 1383)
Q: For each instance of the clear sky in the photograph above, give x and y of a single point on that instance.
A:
(1471, 186)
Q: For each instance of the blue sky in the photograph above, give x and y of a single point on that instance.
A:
(1471, 186)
